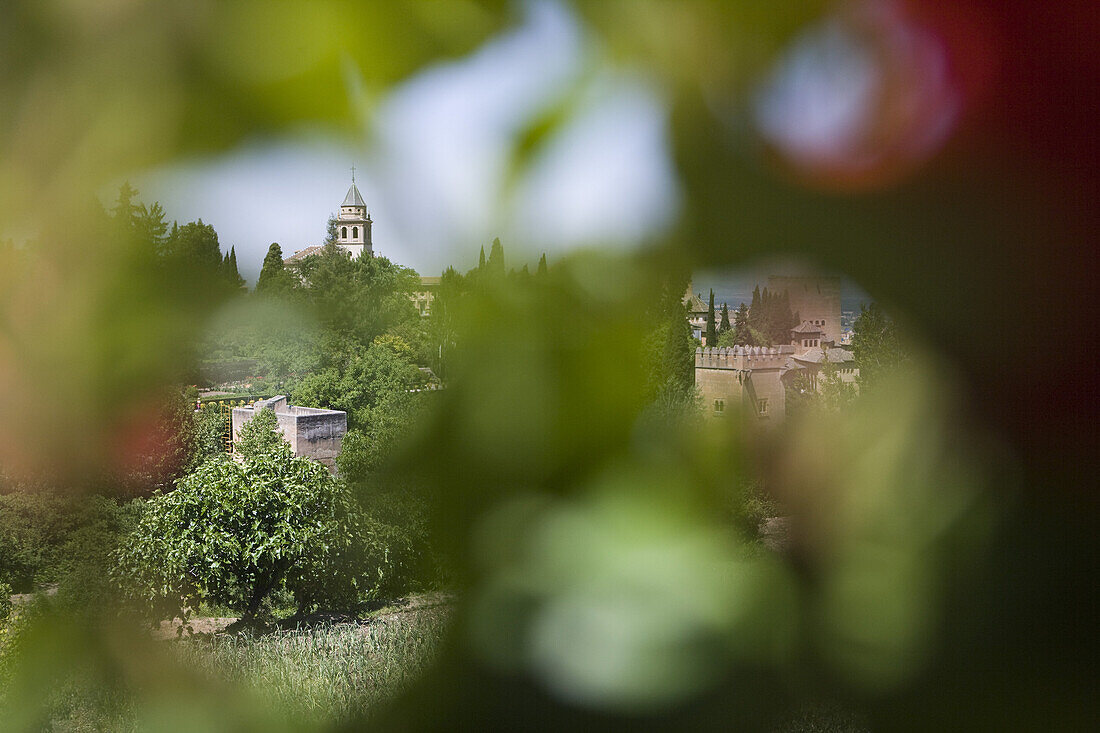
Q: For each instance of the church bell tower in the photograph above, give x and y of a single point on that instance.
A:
(353, 223)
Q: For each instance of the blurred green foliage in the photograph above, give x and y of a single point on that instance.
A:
(47, 535)
(932, 578)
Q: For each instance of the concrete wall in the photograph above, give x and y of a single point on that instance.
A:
(311, 432)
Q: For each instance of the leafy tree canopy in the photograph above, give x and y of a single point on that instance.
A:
(876, 345)
(234, 532)
(261, 435)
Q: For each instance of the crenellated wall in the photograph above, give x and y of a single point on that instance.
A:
(743, 357)
(742, 380)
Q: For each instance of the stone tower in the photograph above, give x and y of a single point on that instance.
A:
(815, 299)
(353, 223)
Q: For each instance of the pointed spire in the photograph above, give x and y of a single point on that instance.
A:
(354, 198)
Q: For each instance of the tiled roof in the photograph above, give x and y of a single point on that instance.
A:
(806, 327)
(303, 253)
(817, 356)
(354, 198)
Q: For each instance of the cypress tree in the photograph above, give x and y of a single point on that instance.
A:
(725, 323)
(496, 257)
(273, 275)
(481, 259)
(741, 334)
(712, 335)
(756, 309)
(232, 274)
(542, 266)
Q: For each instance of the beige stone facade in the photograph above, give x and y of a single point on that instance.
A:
(743, 381)
(423, 298)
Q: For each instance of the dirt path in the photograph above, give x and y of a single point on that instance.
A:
(392, 610)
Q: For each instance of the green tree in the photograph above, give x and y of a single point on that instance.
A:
(210, 426)
(481, 259)
(541, 271)
(152, 226)
(158, 445)
(724, 325)
(836, 394)
(229, 270)
(234, 532)
(495, 263)
(670, 349)
(770, 317)
(126, 209)
(5, 602)
(741, 328)
(330, 230)
(274, 278)
(825, 392)
(712, 334)
(369, 384)
(756, 310)
(357, 300)
(193, 247)
(261, 435)
(876, 345)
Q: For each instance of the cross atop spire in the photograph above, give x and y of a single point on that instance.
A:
(353, 174)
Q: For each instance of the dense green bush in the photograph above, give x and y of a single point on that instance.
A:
(259, 435)
(367, 383)
(234, 532)
(47, 538)
(210, 426)
(5, 602)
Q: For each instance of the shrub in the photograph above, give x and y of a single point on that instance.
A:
(260, 435)
(234, 532)
(210, 425)
(46, 536)
(5, 601)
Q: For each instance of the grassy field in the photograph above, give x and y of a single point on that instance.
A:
(328, 672)
(312, 678)
(309, 677)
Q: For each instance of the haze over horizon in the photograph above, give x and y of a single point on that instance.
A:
(436, 161)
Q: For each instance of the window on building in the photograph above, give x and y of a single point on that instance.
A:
(343, 232)
(719, 405)
(762, 406)
(355, 232)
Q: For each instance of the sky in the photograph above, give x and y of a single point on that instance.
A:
(433, 163)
